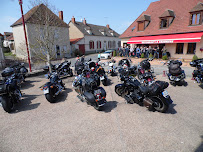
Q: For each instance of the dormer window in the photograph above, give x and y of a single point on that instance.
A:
(166, 19)
(196, 14)
(111, 32)
(88, 30)
(102, 31)
(143, 22)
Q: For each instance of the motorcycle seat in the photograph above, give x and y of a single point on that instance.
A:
(143, 89)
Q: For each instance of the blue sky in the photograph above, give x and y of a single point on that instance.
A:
(118, 14)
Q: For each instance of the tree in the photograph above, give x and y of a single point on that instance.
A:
(45, 31)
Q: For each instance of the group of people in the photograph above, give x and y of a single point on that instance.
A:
(137, 51)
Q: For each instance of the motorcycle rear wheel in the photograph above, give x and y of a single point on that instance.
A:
(7, 104)
(160, 104)
(121, 91)
(50, 98)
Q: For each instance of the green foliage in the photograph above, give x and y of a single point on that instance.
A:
(77, 52)
(114, 53)
(194, 57)
(142, 55)
(165, 57)
(9, 54)
(151, 56)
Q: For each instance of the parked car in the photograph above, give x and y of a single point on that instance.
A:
(107, 54)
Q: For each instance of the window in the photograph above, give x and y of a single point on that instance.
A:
(58, 52)
(133, 28)
(164, 23)
(98, 44)
(191, 48)
(195, 19)
(114, 44)
(91, 44)
(140, 26)
(179, 48)
(119, 43)
(109, 44)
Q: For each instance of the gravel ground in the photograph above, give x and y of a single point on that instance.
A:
(71, 125)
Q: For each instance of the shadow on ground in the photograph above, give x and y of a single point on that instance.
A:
(110, 105)
(200, 147)
(171, 109)
(181, 83)
(27, 84)
(25, 104)
(62, 96)
(201, 85)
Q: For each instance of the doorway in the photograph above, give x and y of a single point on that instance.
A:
(82, 48)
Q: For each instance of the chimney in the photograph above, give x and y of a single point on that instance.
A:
(73, 20)
(107, 26)
(61, 15)
(84, 21)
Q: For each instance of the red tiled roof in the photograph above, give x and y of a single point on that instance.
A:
(156, 9)
(10, 38)
(73, 41)
(36, 16)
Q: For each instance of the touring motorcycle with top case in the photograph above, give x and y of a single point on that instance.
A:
(175, 73)
(88, 90)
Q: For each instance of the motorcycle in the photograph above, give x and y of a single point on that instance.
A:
(88, 90)
(53, 87)
(10, 93)
(153, 97)
(112, 68)
(198, 72)
(63, 69)
(146, 72)
(19, 70)
(175, 73)
(100, 71)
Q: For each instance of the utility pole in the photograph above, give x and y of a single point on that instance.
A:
(28, 54)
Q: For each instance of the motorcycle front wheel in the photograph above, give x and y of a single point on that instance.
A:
(97, 107)
(50, 98)
(121, 91)
(7, 104)
(160, 104)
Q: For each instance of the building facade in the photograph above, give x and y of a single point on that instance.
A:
(89, 38)
(41, 34)
(177, 27)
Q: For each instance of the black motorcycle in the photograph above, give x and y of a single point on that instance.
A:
(154, 97)
(198, 72)
(146, 72)
(19, 70)
(53, 87)
(63, 69)
(88, 90)
(175, 73)
(10, 93)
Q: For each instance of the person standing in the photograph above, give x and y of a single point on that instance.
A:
(138, 52)
(157, 51)
(131, 51)
(99, 57)
(147, 52)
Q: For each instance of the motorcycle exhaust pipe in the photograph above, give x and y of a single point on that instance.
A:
(148, 103)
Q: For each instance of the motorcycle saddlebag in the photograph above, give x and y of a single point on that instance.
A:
(175, 69)
(157, 87)
(90, 97)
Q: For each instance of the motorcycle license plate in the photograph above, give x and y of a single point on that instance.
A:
(46, 91)
(165, 94)
(102, 78)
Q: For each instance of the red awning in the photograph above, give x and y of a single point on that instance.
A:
(175, 38)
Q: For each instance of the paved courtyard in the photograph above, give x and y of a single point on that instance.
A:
(71, 125)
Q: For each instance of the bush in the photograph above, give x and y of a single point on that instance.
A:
(165, 57)
(142, 55)
(114, 53)
(151, 56)
(77, 52)
(194, 58)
